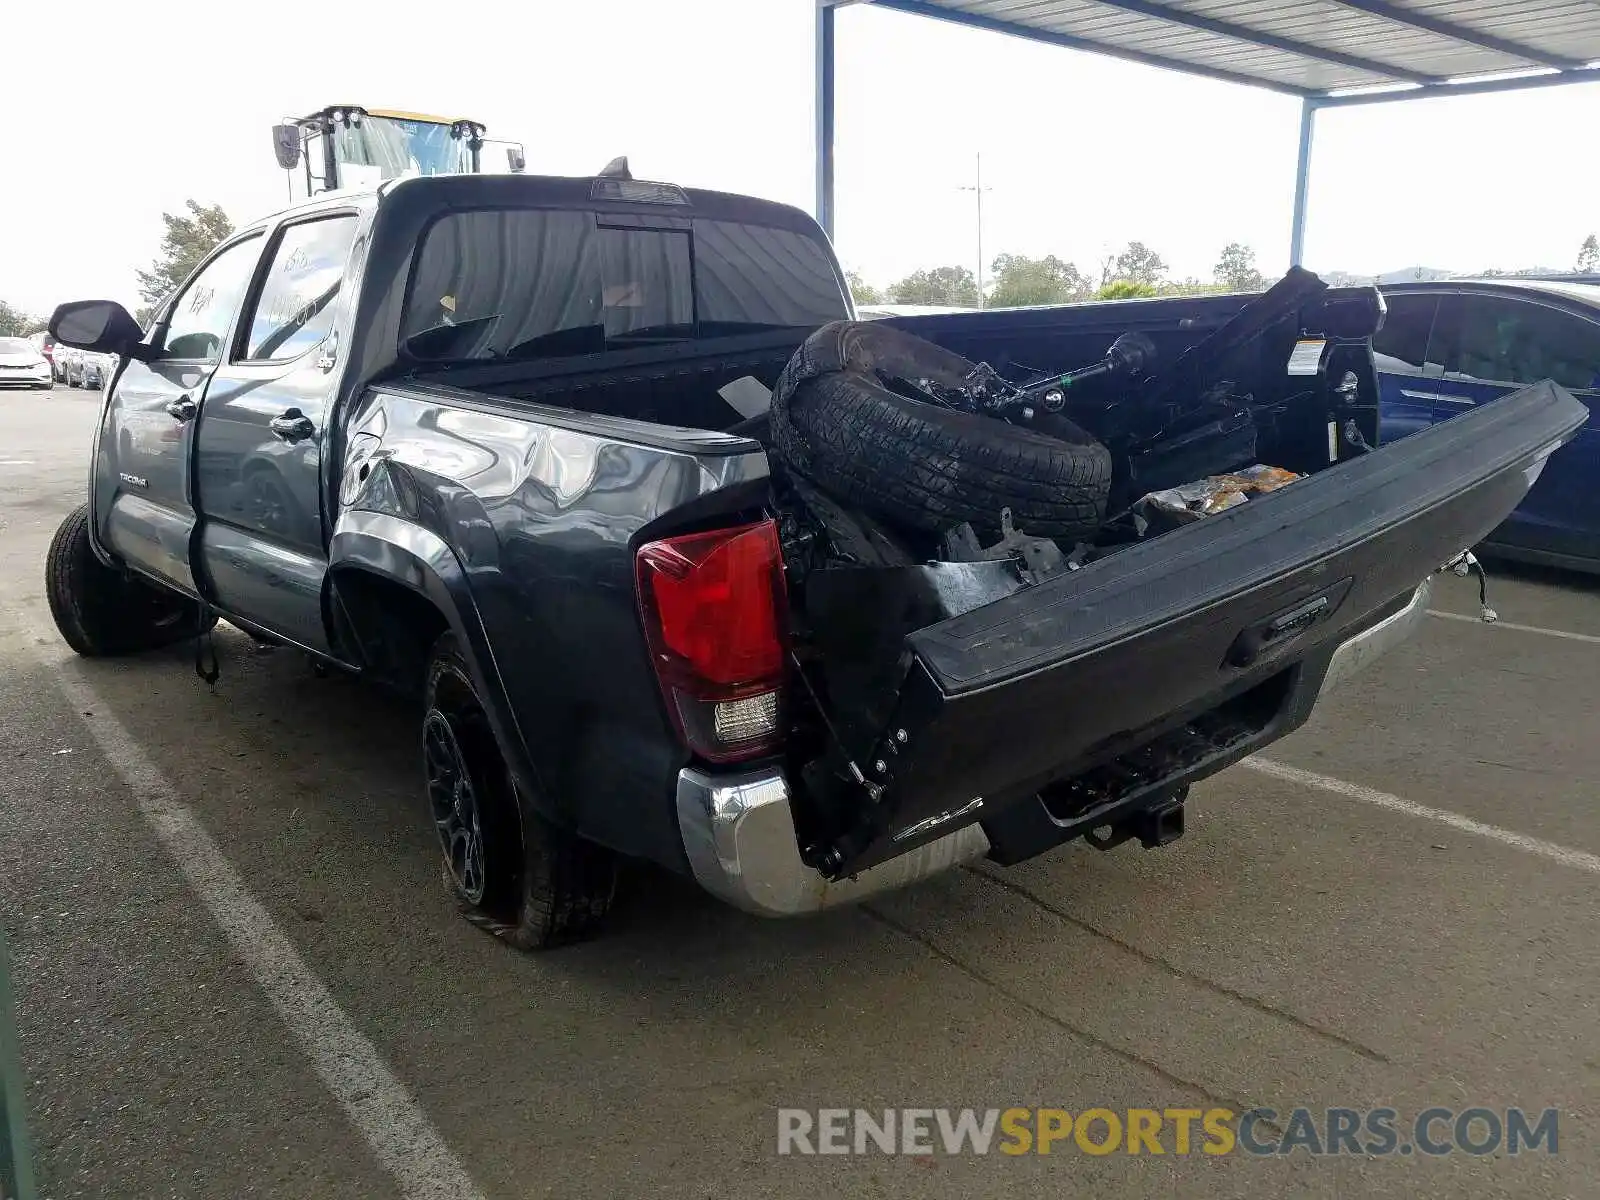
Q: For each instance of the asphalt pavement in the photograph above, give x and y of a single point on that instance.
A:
(238, 976)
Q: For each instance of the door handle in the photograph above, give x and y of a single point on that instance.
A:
(182, 409)
(292, 426)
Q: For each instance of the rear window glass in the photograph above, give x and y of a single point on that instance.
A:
(645, 282)
(538, 283)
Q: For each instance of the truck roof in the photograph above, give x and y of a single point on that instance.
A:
(554, 191)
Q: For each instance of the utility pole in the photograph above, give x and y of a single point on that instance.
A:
(979, 190)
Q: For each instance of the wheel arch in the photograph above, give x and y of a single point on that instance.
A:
(393, 587)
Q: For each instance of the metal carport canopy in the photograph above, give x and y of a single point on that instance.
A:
(1329, 53)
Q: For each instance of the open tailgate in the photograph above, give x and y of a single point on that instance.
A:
(1030, 688)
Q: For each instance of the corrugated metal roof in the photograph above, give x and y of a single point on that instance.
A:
(1308, 47)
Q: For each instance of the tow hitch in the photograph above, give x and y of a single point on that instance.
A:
(1160, 824)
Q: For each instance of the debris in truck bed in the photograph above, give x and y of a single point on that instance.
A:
(1213, 494)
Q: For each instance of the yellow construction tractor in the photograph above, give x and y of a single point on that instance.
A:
(346, 146)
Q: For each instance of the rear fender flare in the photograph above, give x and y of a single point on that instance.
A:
(420, 560)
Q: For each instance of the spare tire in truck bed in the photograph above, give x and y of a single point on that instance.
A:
(837, 422)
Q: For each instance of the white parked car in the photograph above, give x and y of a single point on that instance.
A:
(22, 364)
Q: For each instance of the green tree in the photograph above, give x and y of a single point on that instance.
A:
(1236, 269)
(16, 323)
(188, 239)
(1140, 264)
(862, 291)
(1125, 289)
(952, 286)
(1589, 254)
(1021, 280)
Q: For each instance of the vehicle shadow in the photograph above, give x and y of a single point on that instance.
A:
(338, 745)
(336, 761)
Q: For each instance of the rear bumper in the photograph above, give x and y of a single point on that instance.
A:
(739, 832)
(1356, 653)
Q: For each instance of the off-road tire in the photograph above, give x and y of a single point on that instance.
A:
(100, 611)
(544, 886)
(837, 422)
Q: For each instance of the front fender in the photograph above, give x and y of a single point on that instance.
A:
(418, 559)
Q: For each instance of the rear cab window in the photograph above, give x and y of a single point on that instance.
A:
(540, 283)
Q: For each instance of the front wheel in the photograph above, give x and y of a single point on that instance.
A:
(508, 870)
(101, 611)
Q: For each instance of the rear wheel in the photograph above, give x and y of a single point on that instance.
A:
(508, 870)
(101, 611)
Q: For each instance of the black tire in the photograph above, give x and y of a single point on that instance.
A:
(918, 465)
(102, 612)
(535, 885)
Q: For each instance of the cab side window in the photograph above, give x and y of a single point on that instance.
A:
(299, 293)
(200, 316)
(1520, 342)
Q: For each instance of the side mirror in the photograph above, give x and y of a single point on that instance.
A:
(286, 145)
(102, 325)
(516, 159)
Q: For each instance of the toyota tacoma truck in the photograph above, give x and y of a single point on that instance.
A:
(514, 444)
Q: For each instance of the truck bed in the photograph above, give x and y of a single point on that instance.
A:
(929, 694)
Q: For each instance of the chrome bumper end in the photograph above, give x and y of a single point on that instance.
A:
(738, 832)
(1359, 652)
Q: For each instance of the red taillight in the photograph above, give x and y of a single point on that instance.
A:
(715, 616)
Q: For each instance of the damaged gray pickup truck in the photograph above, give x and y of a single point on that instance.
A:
(972, 584)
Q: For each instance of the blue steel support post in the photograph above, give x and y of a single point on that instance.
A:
(1302, 178)
(824, 113)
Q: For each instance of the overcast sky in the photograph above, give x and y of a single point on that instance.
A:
(163, 101)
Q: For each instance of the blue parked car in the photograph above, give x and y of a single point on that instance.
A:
(1448, 345)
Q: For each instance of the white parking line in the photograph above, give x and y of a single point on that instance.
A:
(1565, 855)
(377, 1103)
(1555, 633)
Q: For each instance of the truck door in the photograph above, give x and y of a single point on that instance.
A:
(144, 503)
(262, 434)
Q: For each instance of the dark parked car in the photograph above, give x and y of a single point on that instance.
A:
(93, 370)
(471, 436)
(1448, 347)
